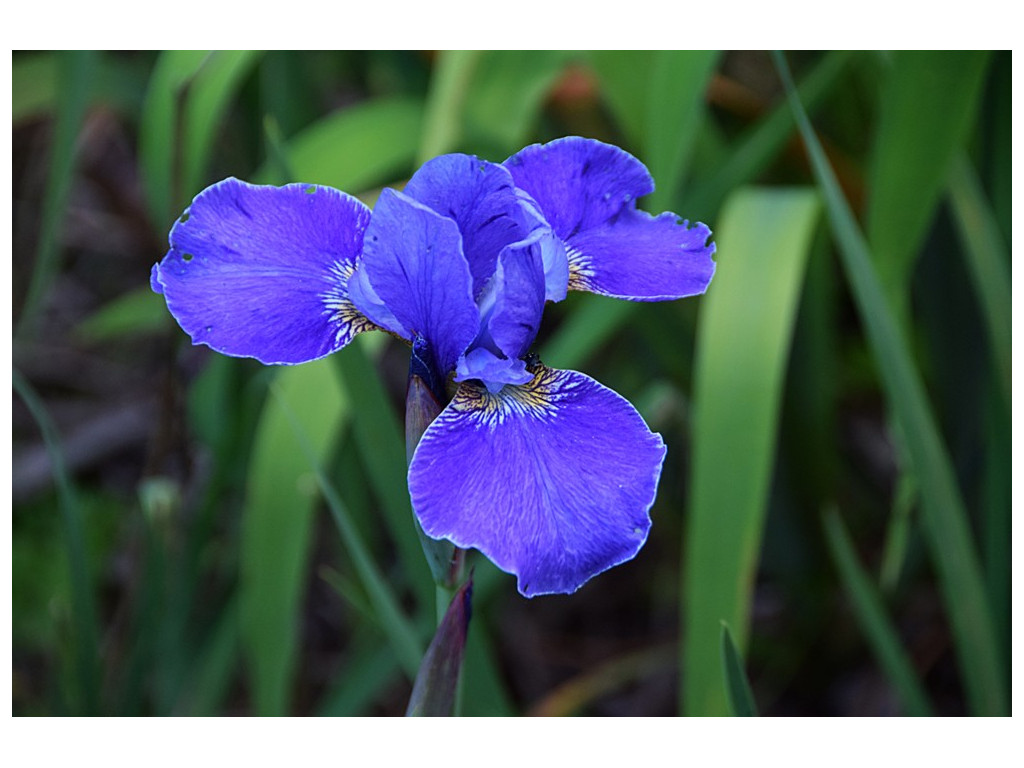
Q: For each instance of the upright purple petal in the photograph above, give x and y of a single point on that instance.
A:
(587, 190)
(481, 198)
(414, 261)
(579, 183)
(371, 305)
(553, 481)
(553, 255)
(519, 300)
(510, 312)
(259, 271)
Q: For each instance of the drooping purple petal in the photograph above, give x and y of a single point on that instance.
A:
(587, 190)
(642, 257)
(260, 271)
(414, 261)
(481, 198)
(553, 481)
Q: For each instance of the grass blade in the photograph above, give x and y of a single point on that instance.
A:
(370, 670)
(382, 446)
(215, 668)
(753, 153)
(276, 528)
(624, 78)
(74, 81)
(442, 124)
(83, 603)
(743, 339)
(188, 95)
(506, 95)
(741, 698)
(675, 111)
(484, 694)
(898, 532)
(160, 129)
(987, 261)
(590, 323)
(912, 155)
(944, 515)
(997, 503)
(208, 98)
(397, 628)
(873, 621)
(136, 312)
(355, 148)
(34, 85)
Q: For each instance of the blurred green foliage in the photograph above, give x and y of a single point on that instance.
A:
(199, 535)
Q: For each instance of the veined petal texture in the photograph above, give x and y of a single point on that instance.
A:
(261, 271)
(511, 308)
(414, 260)
(481, 199)
(553, 480)
(587, 190)
(519, 297)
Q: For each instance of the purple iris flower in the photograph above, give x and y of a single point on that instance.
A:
(547, 472)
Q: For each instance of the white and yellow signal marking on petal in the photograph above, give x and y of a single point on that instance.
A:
(343, 313)
(581, 271)
(539, 399)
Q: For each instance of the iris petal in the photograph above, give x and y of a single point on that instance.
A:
(510, 314)
(481, 198)
(259, 271)
(414, 261)
(587, 190)
(495, 371)
(519, 301)
(642, 257)
(553, 481)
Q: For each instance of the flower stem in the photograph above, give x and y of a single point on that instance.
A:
(423, 403)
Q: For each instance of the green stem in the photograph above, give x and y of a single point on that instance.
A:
(444, 599)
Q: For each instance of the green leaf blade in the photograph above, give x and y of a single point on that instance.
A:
(506, 95)
(75, 71)
(675, 107)
(382, 447)
(277, 525)
(208, 99)
(945, 518)
(743, 339)
(913, 152)
(355, 148)
(741, 698)
(873, 620)
(160, 132)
